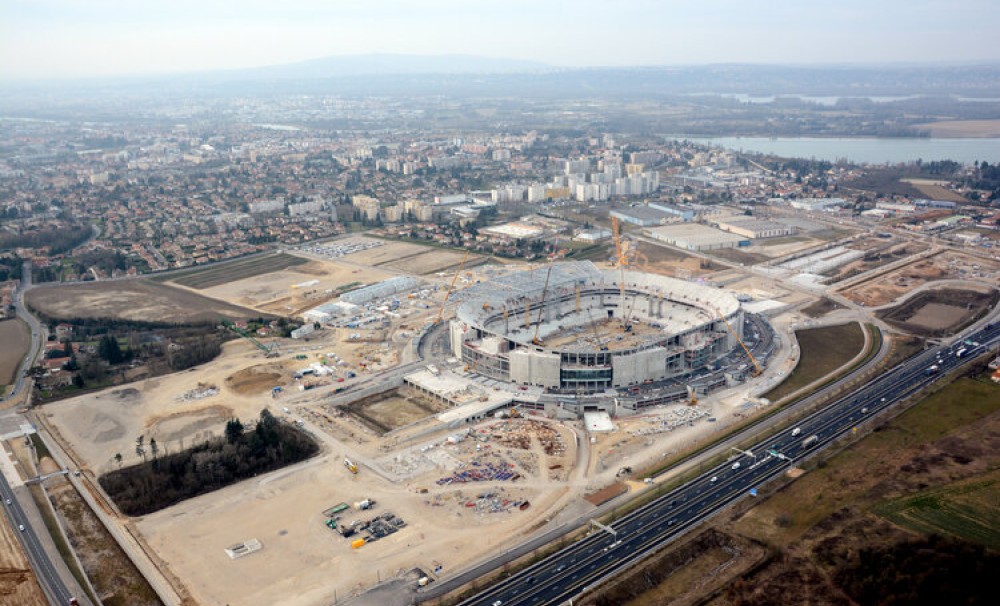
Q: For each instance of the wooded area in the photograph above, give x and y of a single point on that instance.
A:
(169, 479)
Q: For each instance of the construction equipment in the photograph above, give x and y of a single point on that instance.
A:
(756, 367)
(692, 396)
(270, 351)
(350, 466)
(621, 259)
(451, 287)
(541, 306)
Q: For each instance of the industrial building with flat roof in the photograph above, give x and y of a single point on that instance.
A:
(694, 236)
(643, 216)
(754, 228)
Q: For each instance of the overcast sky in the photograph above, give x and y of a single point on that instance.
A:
(80, 38)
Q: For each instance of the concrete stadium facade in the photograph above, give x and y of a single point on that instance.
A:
(683, 328)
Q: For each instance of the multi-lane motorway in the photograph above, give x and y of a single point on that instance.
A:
(570, 571)
(46, 573)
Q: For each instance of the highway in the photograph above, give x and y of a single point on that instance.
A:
(603, 554)
(48, 577)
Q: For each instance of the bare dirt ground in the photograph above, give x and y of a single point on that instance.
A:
(430, 261)
(670, 262)
(940, 312)
(258, 380)
(888, 287)
(936, 190)
(962, 128)
(393, 410)
(16, 339)
(140, 300)
(283, 292)
(387, 253)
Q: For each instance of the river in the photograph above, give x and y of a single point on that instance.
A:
(865, 150)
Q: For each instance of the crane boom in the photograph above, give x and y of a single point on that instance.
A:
(621, 258)
(756, 366)
(451, 287)
(268, 351)
(541, 306)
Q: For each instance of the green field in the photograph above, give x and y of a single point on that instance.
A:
(822, 351)
(231, 271)
(969, 510)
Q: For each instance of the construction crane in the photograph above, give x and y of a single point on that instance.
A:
(451, 287)
(269, 351)
(621, 259)
(756, 367)
(541, 306)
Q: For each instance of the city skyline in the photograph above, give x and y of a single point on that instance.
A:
(58, 39)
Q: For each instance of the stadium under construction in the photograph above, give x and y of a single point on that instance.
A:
(582, 334)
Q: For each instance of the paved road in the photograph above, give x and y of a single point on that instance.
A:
(37, 330)
(586, 563)
(48, 576)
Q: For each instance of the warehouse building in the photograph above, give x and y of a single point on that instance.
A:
(755, 228)
(694, 236)
(381, 290)
(644, 216)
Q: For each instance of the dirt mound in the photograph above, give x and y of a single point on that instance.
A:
(195, 425)
(257, 379)
(102, 427)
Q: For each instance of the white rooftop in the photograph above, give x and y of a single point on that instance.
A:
(598, 422)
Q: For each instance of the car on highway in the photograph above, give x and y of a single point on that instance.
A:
(714, 479)
(8, 501)
(20, 527)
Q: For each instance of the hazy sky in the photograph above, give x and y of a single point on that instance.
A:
(78, 38)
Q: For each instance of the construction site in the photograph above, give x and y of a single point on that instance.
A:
(505, 398)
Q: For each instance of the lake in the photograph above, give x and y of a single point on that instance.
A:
(864, 150)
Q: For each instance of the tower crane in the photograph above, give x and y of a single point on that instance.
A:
(541, 306)
(756, 367)
(451, 287)
(270, 351)
(621, 258)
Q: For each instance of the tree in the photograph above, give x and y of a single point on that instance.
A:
(234, 430)
(153, 447)
(118, 459)
(78, 381)
(109, 349)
